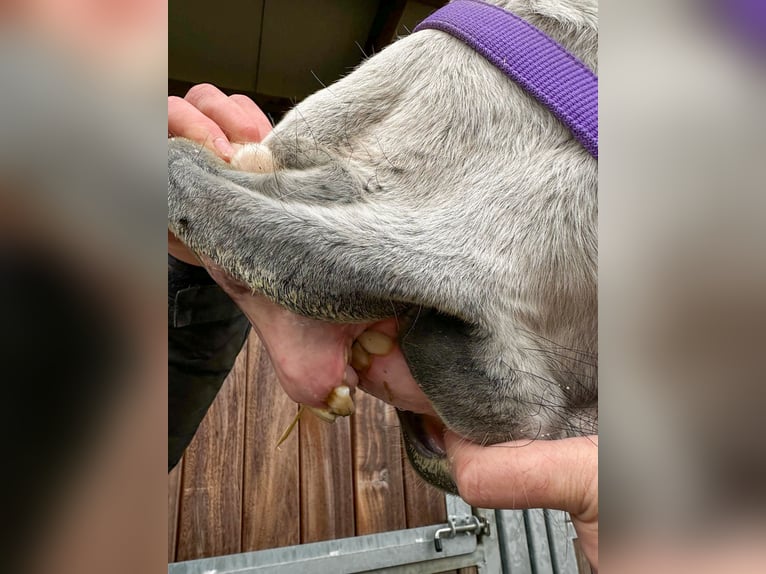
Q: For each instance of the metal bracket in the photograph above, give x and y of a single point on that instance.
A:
(476, 525)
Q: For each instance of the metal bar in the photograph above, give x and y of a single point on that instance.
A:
(473, 525)
(512, 537)
(457, 507)
(490, 544)
(517, 542)
(490, 561)
(486, 556)
(537, 537)
(347, 555)
(560, 534)
(434, 566)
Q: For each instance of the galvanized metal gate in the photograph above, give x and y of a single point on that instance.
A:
(496, 541)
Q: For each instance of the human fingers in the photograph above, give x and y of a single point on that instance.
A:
(255, 113)
(238, 124)
(185, 120)
(559, 474)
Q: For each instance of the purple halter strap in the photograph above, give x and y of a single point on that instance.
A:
(558, 80)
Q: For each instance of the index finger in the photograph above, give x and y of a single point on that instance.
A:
(238, 125)
(185, 120)
(255, 113)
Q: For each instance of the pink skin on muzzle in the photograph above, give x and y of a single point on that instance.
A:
(310, 357)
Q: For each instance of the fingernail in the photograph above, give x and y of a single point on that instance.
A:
(224, 147)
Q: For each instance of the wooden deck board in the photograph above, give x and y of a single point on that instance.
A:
(271, 502)
(378, 475)
(327, 482)
(174, 494)
(234, 491)
(424, 503)
(210, 509)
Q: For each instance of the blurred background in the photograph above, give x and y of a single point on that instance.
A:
(681, 284)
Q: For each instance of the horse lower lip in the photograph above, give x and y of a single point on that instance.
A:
(425, 433)
(434, 446)
(434, 431)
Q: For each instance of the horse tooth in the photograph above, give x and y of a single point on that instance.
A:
(376, 343)
(340, 401)
(323, 414)
(360, 359)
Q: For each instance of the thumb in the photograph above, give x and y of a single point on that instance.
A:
(560, 474)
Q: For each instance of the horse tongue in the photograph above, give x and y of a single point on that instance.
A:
(309, 356)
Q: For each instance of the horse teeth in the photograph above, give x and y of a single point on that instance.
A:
(340, 401)
(323, 414)
(376, 343)
(360, 359)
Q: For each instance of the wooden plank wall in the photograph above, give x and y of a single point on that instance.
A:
(233, 491)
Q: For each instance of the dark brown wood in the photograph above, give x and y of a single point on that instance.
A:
(434, 3)
(174, 494)
(424, 503)
(384, 25)
(211, 493)
(327, 482)
(378, 474)
(271, 503)
(236, 492)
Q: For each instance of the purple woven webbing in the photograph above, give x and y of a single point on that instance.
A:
(558, 80)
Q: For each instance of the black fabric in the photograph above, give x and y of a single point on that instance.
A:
(206, 332)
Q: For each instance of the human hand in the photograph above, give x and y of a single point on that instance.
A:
(220, 123)
(560, 474)
(215, 120)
